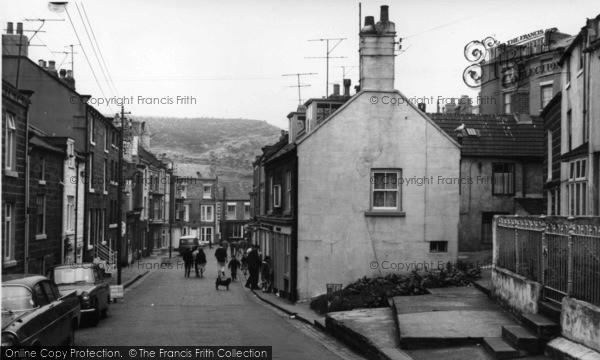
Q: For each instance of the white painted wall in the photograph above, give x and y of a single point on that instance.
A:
(336, 241)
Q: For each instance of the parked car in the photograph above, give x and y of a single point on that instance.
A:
(35, 313)
(88, 280)
(187, 242)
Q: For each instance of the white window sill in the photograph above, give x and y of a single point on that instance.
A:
(91, 191)
(70, 232)
(114, 183)
(105, 192)
(106, 151)
(41, 237)
(90, 247)
(9, 263)
(113, 226)
(579, 72)
(92, 143)
(41, 182)
(381, 213)
(568, 85)
(11, 173)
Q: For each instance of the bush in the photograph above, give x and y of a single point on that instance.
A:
(375, 292)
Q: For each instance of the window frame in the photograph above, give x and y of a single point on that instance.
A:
(506, 96)
(41, 213)
(277, 196)
(398, 190)
(288, 183)
(542, 88)
(70, 213)
(434, 247)
(512, 175)
(228, 213)
(204, 192)
(247, 207)
(10, 155)
(577, 187)
(8, 236)
(204, 233)
(204, 213)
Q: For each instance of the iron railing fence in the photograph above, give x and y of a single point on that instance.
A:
(561, 253)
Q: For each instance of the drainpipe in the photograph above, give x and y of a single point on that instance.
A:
(27, 207)
(77, 163)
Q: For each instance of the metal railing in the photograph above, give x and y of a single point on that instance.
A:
(561, 253)
(105, 254)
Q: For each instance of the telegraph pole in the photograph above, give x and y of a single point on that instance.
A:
(327, 52)
(299, 85)
(120, 196)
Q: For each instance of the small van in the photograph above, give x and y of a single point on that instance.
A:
(187, 241)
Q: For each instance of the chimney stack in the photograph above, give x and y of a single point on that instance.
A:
(377, 53)
(69, 79)
(347, 83)
(62, 73)
(15, 44)
(384, 13)
(51, 65)
(369, 20)
(41, 63)
(336, 89)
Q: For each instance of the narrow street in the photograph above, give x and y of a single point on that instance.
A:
(165, 308)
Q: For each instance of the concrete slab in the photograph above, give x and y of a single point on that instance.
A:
(561, 348)
(373, 330)
(418, 330)
(440, 300)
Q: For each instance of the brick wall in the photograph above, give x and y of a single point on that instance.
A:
(519, 103)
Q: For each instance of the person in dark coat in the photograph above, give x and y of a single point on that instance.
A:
(253, 268)
(200, 261)
(221, 255)
(234, 264)
(188, 261)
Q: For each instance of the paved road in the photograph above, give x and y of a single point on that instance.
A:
(165, 308)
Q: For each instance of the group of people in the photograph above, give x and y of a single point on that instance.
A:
(251, 262)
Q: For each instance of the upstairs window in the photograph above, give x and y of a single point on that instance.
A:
(546, 95)
(277, 196)
(231, 215)
(385, 190)
(207, 213)
(288, 184)
(506, 102)
(10, 154)
(246, 210)
(503, 179)
(207, 192)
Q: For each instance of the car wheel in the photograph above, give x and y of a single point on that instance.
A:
(104, 313)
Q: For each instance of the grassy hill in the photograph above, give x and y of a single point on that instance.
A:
(230, 144)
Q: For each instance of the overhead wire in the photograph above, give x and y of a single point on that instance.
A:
(87, 58)
(98, 47)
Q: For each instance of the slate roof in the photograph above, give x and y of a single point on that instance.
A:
(284, 150)
(531, 206)
(190, 170)
(499, 135)
(235, 190)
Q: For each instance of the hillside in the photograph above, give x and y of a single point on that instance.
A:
(230, 144)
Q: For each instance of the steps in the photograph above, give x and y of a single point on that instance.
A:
(541, 326)
(550, 310)
(499, 348)
(523, 340)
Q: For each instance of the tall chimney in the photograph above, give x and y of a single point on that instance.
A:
(377, 55)
(347, 83)
(369, 20)
(336, 89)
(384, 13)
(51, 65)
(19, 28)
(9, 28)
(62, 73)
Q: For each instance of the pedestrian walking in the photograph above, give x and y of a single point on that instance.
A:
(200, 261)
(241, 247)
(221, 255)
(266, 272)
(188, 261)
(245, 263)
(234, 264)
(253, 268)
(233, 249)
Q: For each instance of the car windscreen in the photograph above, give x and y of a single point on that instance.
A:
(70, 276)
(16, 298)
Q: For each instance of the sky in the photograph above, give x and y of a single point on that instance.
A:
(227, 58)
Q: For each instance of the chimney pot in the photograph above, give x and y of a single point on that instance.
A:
(385, 13)
(9, 28)
(41, 63)
(336, 89)
(70, 73)
(347, 83)
(19, 28)
(63, 73)
(51, 64)
(369, 20)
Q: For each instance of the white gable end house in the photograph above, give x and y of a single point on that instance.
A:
(378, 181)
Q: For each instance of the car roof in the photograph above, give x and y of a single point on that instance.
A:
(28, 280)
(75, 266)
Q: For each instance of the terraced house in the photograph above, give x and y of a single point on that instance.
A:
(58, 110)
